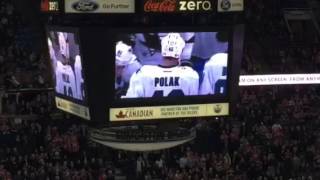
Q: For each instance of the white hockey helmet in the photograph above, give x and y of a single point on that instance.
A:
(172, 45)
(124, 54)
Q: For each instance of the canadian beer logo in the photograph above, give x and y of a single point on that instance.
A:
(160, 5)
(121, 115)
(132, 113)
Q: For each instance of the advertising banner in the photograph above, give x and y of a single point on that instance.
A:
(279, 79)
(177, 6)
(230, 5)
(73, 108)
(50, 6)
(165, 112)
(99, 6)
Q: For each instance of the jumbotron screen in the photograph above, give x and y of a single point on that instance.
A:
(164, 65)
(50, 6)
(66, 61)
(170, 68)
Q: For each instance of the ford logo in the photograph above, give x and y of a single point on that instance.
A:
(85, 6)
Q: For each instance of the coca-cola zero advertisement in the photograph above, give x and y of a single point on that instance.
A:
(172, 6)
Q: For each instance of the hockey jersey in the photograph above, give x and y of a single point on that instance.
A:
(52, 55)
(58, 71)
(215, 75)
(63, 44)
(122, 82)
(66, 83)
(78, 77)
(129, 70)
(158, 81)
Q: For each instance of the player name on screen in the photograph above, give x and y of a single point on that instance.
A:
(167, 112)
(166, 81)
(73, 108)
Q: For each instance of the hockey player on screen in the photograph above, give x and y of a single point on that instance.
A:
(126, 65)
(167, 79)
(64, 44)
(215, 75)
(52, 53)
(65, 83)
(55, 64)
(78, 76)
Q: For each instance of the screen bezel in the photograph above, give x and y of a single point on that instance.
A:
(202, 99)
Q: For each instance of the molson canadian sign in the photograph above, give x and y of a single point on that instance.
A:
(168, 6)
(168, 112)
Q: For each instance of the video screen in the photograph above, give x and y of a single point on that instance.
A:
(171, 64)
(66, 62)
(49, 6)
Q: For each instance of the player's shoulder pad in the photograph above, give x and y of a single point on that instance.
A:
(147, 68)
(59, 63)
(144, 70)
(189, 71)
(219, 59)
(186, 68)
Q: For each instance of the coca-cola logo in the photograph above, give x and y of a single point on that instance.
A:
(160, 6)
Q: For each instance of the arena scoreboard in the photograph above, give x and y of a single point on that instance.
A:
(168, 67)
(67, 70)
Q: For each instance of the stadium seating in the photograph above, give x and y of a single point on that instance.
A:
(275, 133)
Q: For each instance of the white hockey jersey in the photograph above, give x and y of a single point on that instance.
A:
(157, 81)
(215, 75)
(52, 54)
(65, 81)
(79, 79)
(126, 74)
(58, 71)
(63, 44)
(129, 70)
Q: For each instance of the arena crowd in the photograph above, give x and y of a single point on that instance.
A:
(273, 135)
